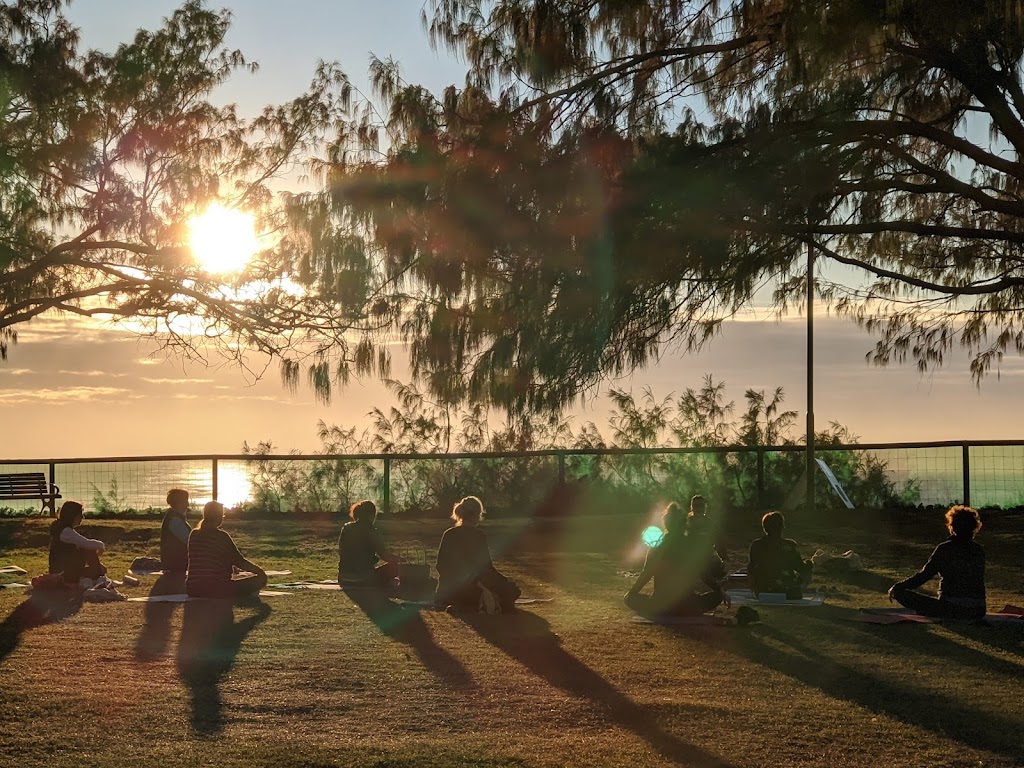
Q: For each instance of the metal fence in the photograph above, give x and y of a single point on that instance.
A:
(981, 473)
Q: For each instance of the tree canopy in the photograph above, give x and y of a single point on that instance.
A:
(105, 156)
(615, 176)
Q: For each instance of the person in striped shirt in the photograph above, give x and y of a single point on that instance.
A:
(211, 557)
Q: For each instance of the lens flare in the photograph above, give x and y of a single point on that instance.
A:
(652, 536)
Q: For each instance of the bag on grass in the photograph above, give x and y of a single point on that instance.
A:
(413, 570)
(48, 581)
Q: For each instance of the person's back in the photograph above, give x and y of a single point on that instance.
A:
(461, 557)
(960, 563)
(466, 577)
(771, 559)
(211, 555)
(357, 550)
(685, 569)
(174, 533)
(775, 564)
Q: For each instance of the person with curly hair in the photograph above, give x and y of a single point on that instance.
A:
(959, 562)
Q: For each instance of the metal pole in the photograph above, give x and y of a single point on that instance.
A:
(760, 479)
(387, 484)
(967, 475)
(213, 482)
(810, 469)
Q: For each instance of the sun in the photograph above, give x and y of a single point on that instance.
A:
(223, 240)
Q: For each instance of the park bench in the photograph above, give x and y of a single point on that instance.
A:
(30, 485)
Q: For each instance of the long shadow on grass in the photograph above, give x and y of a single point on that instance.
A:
(152, 641)
(527, 638)
(41, 608)
(791, 654)
(406, 625)
(210, 641)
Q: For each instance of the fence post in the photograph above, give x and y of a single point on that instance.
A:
(387, 483)
(53, 484)
(213, 483)
(967, 474)
(760, 478)
(561, 469)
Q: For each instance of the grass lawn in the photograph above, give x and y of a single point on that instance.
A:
(312, 679)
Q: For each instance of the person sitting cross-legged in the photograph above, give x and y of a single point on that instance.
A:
(71, 553)
(467, 581)
(363, 558)
(685, 569)
(775, 562)
(959, 562)
(211, 557)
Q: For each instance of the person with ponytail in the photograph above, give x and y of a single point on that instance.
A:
(71, 553)
(684, 583)
(467, 581)
(212, 556)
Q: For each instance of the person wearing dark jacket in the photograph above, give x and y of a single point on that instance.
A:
(363, 557)
(71, 553)
(959, 562)
(686, 571)
(465, 573)
(174, 533)
(775, 564)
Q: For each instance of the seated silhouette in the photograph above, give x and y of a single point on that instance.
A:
(959, 562)
(775, 563)
(686, 571)
(467, 580)
(363, 558)
(212, 556)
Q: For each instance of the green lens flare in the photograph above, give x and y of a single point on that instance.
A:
(652, 536)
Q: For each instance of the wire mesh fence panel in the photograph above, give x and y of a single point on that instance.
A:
(530, 482)
(430, 486)
(300, 485)
(122, 486)
(997, 475)
(930, 475)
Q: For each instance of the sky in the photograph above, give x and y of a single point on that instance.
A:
(74, 389)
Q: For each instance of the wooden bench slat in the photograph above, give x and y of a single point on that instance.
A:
(27, 486)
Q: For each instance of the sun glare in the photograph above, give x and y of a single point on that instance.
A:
(223, 240)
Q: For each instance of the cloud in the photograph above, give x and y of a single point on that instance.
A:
(175, 381)
(17, 371)
(66, 395)
(111, 374)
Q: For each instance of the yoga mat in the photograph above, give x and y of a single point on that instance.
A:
(1013, 619)
(891, 616)
(186, 598)
(432, 604)
(702, 620)
(13, 569)
(326, 585)
(13, 585)
(160, 573)
(746, 597)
